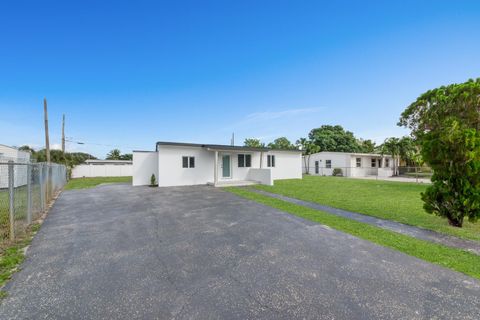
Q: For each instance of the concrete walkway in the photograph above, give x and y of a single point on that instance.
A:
(123, 252)
(416, 232)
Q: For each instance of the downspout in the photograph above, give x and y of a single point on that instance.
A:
(261, 159)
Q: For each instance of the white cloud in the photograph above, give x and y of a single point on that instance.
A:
(270, 115)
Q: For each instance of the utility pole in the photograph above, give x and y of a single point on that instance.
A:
(232, 141)
(47, 140)
(63, 134)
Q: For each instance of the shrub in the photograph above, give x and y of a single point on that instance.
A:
(153, 180)
(445, 122)
(337, 172)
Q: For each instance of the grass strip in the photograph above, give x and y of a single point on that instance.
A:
(396, 201)
(85, 183)
(455, 259)
(13, 255)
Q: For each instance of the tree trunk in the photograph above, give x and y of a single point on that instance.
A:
(458, 222)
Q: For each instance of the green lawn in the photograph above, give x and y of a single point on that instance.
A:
(398, 201)
(452, 258)
(83, 183)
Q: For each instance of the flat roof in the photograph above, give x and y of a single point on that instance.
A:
(109, 161)
(356, 154)
(219, 146)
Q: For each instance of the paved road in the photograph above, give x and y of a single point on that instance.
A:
(118, 252)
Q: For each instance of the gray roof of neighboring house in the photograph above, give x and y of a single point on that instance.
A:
(108, 161)
(218, 146)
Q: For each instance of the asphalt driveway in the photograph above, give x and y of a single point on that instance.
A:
(122, 252)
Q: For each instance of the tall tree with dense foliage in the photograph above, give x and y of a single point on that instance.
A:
(367, 146)
(282, 143)
(334, 138)
(446, 122)
(253, 143)
(308, 148)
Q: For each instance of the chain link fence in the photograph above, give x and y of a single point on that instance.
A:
(407, 174)
(26, 190)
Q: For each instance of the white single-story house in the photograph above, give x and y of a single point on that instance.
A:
(351, 164)
(181, 164)
(103, 168)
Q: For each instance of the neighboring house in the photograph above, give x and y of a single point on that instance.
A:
(19, 171)
(103, 168)
(10, 153)
(351, 164)
(180, 164)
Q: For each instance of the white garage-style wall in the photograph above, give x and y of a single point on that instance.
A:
(145, 163)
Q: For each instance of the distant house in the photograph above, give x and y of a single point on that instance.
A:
(103, 168)
(351, 164)
(20, 170)
(181, 164)
(11, 153)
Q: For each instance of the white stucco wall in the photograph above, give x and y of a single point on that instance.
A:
(171, 172)
(264, 176)
(236, 172)
(103, 170)
(288, 165)
(144, 165)
(339, 160)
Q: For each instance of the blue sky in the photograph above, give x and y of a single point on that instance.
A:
(127, 74)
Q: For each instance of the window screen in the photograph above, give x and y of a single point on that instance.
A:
(271, 161)
(188, 162)
(248, 160)
(328, 163)
(359, 162)
(241, 160)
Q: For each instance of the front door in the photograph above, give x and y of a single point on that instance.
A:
(226, 166)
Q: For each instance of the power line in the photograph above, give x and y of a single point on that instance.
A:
(101, 144)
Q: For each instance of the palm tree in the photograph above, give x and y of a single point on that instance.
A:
(392, 146)
(308, 148)
(114, 154)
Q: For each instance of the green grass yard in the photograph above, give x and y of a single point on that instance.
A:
(83, 183)
(398, 201)
(452, 258)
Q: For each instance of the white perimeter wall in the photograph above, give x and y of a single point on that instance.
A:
(171, 172)
(103, 170)
(144, 165)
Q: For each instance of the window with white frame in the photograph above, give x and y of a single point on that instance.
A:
(374, 162)
(387, 163)
(188, 162)
(359, 162)
(244, 160)
(328, 163)
(271, 161)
